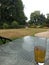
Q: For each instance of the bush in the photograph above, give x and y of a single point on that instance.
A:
(5, 26)
(14, 24)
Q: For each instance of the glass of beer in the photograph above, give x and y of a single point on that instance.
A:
(40, 50)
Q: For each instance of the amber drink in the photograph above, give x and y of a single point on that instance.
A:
(39, 53)
(40, 50)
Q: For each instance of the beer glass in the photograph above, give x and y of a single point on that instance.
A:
(39, 50)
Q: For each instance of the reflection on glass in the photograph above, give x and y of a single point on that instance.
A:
(40, 50)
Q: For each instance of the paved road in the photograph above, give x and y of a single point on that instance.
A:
(43, 34)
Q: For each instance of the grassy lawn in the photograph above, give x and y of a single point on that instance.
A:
(17, 33)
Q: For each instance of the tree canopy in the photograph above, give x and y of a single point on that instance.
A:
(36, 18)
(12, 10)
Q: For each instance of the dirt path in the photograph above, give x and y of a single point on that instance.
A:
(43, 34)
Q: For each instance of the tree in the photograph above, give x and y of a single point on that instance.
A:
(36, 18)
(12, 10)
(47, 20)
(19, 15)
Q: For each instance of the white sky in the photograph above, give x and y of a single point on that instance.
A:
(33, 5)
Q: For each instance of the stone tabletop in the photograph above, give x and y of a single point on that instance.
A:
(19, 52)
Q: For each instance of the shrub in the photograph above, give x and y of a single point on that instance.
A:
(5, 26)
(14, 24)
